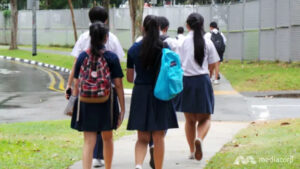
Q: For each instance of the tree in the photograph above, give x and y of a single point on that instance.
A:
(106, 6)
(14, 27)
(73, 19)
(136, 8)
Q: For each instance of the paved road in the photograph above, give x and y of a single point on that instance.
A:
(26, 93)
(30, 89)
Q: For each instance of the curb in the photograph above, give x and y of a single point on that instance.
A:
(49, 66)
(33, 62)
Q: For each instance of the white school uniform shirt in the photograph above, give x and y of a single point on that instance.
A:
(180, 38)
(83, 43)
(208, 35)
(172, 43)
(189, 65)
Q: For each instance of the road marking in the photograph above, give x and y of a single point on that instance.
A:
(225, 92)
(51, 76)
(61, 85)
(261, 111)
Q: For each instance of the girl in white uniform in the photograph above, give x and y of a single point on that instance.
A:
(198, 57)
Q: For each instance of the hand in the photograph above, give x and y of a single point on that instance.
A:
(68, 92)
(121, 118)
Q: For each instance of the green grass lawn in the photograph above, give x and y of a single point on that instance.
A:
(262, 76)
(58, 48)
(49, 144)
(55, 59)
(271, 145)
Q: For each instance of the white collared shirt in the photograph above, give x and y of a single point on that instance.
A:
(189, 65)
(83, 43)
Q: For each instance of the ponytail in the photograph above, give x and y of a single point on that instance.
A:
(151, 44)
(98, 33)
(195, 22)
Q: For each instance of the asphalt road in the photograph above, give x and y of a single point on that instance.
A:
(31, 93)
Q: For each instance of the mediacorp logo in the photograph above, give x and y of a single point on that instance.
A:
(244, 160)
(241, 160)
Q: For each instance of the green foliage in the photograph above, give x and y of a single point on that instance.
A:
(4, 5)
(6, 14)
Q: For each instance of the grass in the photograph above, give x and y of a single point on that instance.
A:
(262, 76)
(265, 143)
(54, 47)
(55, 59)
(49, 144)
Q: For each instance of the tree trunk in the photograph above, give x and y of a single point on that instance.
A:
(73, 19)
(14, 26)
(136, 8)
(106, 6)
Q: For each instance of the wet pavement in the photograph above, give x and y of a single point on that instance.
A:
(25, 94)
(19, 78)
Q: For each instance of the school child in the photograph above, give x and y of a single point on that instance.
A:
(180, 35)
(94, 70)
(150, 116)
(198, 56)
(97, 13)
(219, 41)
(164, 27)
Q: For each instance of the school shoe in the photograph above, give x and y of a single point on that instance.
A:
(151, 162)
(198, 147)
(98, 163)
(216, 82)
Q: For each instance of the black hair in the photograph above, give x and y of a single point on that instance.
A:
(151, 44)
(98, 34)
(98, 13)
(163, 22)
(180, 30)
(195, 22)
(214, 25)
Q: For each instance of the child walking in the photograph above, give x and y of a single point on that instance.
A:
(94, 70)
(198, 56)
(148, 115)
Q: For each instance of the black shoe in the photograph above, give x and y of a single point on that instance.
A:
(151, 158)
(219, 77)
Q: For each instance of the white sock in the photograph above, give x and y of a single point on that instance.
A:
(138, 167)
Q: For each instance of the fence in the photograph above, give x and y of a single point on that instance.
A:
(255, 29)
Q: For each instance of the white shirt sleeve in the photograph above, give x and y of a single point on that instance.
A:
(173, 44)
(77, 49)
(113, 44)
(207, 35)
(224, 38)
(213, 55)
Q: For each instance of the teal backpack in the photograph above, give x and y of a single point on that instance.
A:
(169, 82)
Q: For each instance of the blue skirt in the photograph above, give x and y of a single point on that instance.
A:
(148, 113)
(197, 95)
(96, 117)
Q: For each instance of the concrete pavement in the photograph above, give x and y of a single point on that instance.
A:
(176, 151)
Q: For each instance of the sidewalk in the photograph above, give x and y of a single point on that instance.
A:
(176, 152)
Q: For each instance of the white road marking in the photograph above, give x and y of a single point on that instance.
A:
(260, 111)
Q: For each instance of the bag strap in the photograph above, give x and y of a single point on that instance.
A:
(112, 107)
